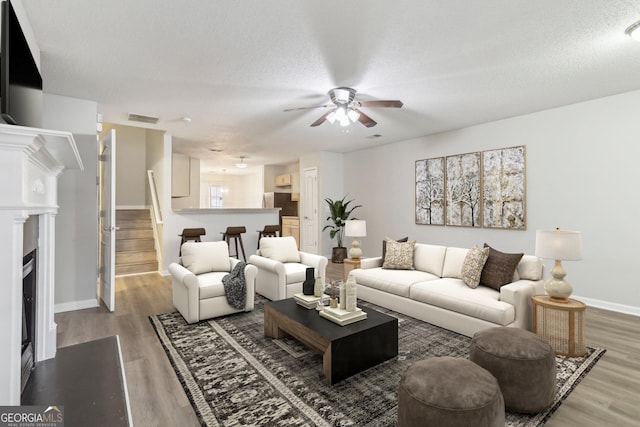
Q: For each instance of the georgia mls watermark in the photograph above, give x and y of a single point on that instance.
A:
(31, 416)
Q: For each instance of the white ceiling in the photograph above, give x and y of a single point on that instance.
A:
(234, 66)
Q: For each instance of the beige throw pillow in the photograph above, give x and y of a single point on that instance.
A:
(399, 255)
(205, 257)
(282, 249)
(472, 266)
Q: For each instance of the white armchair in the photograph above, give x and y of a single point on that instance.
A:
(198, 292)
(282, 268)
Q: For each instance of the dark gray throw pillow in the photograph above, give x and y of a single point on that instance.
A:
(499, 268)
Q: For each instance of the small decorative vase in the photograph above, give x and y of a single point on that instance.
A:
(318, 289)
(350, 292)
(333, 302)
(308, 286)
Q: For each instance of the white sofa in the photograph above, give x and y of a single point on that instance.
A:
(198, 291)
(282, 268)
(435, 292)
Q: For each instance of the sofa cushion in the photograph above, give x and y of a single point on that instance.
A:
(399, 255)
(282, 249)
(429, 258)
(499, 268)
(204, 257)
(391, 281)
(452, 294)
(530, 268)
(453, 261)
(295, 272)
(473, 265)
(210, 284)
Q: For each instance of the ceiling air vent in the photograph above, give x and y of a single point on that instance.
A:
(374, 136)
(143, 119)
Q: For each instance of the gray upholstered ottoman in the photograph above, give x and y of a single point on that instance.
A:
(523, 363)
(448, 392)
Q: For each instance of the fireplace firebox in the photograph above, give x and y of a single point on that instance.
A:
(28, 316)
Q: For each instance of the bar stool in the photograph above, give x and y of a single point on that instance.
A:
(235, 233)
(269, 231)
(192, 234)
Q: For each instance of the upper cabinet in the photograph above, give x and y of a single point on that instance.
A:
(283, 180)
(295, 186)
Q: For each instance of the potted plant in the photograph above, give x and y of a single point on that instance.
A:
(340, 213)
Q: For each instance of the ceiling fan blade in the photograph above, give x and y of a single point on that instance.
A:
(321, 120)
(366, 120)
(382, 103)
(308, 108)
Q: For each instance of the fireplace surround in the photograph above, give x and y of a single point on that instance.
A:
(30, 162)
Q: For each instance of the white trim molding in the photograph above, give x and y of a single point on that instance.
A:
(611, 306)
(76, 305)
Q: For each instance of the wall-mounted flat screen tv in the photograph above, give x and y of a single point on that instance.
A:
(20, 80)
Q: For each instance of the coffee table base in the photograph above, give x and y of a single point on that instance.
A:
(346, 350)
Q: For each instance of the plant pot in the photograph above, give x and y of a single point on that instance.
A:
(338, 255)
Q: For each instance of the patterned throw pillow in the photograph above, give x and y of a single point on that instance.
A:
(499, 268)
(473, 265)
(399, 255)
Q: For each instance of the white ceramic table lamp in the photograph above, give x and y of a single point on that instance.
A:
(355, 228)
(559, 245)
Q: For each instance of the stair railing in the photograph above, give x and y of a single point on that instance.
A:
(156, 216)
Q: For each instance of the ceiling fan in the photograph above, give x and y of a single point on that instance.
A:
(345, 108)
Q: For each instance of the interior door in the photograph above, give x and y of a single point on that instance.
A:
(310, 237)
(107, 201)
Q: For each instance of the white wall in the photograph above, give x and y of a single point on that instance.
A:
(193, 199)
(131, 170)
(581, 171)
(76, 273)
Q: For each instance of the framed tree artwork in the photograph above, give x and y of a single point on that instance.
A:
(462, 190)
(503, 196)
(430, 203)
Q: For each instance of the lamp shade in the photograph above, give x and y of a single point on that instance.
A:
(355, 228)
(559, 244)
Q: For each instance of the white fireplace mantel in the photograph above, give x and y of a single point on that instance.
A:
(30, 161)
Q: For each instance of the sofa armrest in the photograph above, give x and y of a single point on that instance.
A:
(186, 292)
(271, 277)
(319, 262)
(371, 262)
(250, 273)
(519, 295)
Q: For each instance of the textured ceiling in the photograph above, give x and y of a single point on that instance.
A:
(234, 66)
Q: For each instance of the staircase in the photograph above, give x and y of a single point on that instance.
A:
(135, 247)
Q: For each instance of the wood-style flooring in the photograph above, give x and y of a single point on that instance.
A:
(608, 396)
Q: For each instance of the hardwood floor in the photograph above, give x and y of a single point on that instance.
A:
(608, 396)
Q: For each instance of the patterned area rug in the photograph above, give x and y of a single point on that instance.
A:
(234, 376)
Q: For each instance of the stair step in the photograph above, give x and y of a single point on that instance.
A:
(133, 223)
(135, 257)
(132, 214)
(134, 234)
(123, 245)
(146, 267)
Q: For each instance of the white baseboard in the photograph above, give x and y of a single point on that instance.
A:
(75, 305)
(611, 306)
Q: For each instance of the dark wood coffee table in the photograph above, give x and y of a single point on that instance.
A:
(346, 350)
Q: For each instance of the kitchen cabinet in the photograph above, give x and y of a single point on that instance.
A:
(283, 180)
(295, 186)
(291, 227)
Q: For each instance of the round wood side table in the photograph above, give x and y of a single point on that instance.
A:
(560, 324)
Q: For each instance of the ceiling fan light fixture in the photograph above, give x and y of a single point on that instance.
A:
(353, 115)
(331, 118)
(242, 164)
(344, 121)
(634, 31)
